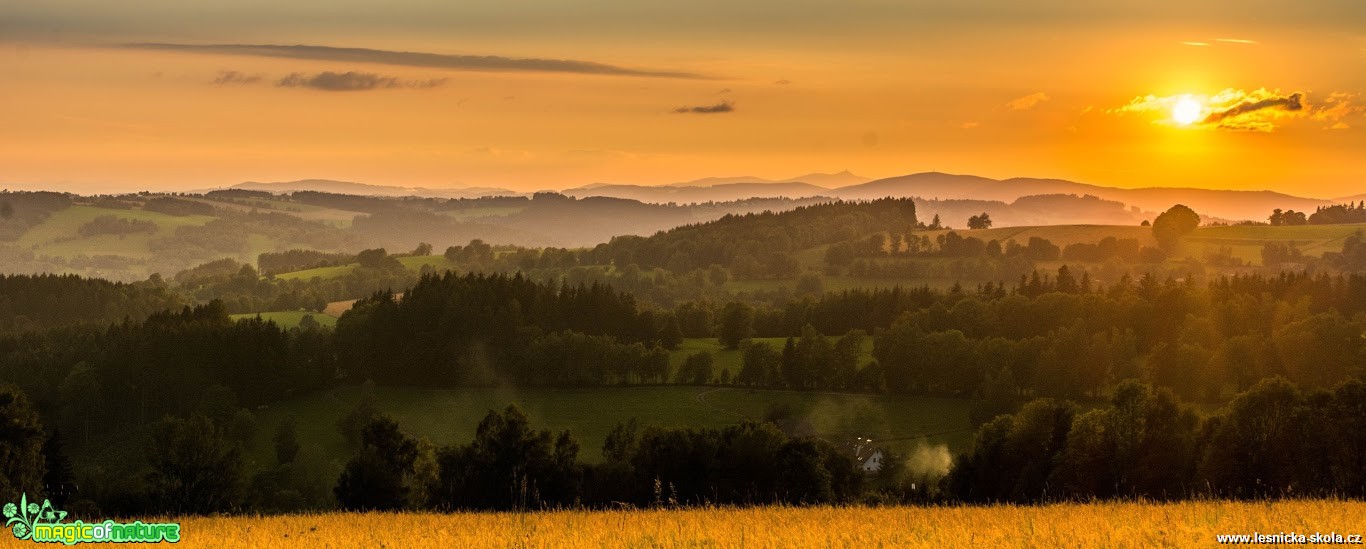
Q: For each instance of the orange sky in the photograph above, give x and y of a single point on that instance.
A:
(877, 87)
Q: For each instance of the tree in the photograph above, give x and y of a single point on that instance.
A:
(378, 477)
(423, 249)
(846, 356)
(671, 336)
(353, 423)
(737, 324)
(194, 467)
(621, 442)
(21, 447)
(1173, 224)
(696, 369)
(59, 480)
(979, 221)
(80, 392)
(810, 284)
(1013, 456)
(1250, 448)
(509, 466)
(718, 275)
(286, 442)
(760, 364)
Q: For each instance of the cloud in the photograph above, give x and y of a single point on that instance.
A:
(1236, 41)
(782, 82)
(414, 59)
(724, 106)
(352, 81)
(1200, 44)
(1249, 104)
(234, 77)
(1231, 109)
(1336, 108)
(969, 125)
(1027, 102)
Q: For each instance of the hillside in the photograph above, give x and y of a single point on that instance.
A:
(129, 237)
(931, 186)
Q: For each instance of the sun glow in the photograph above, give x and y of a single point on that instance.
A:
(1186, 111)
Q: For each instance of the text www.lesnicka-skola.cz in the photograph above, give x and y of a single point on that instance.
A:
(1291, 538)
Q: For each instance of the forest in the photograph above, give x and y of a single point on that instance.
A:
(1096, 369)
(191, 379)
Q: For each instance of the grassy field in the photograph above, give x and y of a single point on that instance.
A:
(1185, 524)
(438, 262)
(320, 272)
(1246, 242)
(289, 319)
(57, 235)
(447, 416)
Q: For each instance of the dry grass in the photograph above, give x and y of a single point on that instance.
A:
(1072, 525)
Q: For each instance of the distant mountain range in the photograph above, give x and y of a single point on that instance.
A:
(348, 187)
(930, 186)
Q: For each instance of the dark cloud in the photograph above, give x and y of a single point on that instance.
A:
(352, 81)
(724, 106)
(783, 82)
(234, 77)
(414, 59)
(1292, 102)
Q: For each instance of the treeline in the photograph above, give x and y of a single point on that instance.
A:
(1272, 441)
(757, 246)
(243, 290)
(1323, 215)
(108, 224)
(509, 465)
(41, 302)
(177, 206)
(270, 263)
(1339, 213)
(459, 329)
(131, 373)
(1201, 343)
(954, 256)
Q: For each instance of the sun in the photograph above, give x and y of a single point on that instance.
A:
(1186, 111)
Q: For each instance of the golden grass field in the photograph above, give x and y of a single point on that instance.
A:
(1186, 524)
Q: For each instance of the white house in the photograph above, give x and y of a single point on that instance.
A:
(867, 457)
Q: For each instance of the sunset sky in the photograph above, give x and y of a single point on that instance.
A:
(99, 96)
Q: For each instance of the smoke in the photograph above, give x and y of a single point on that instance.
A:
(929, 462)
(853, 417)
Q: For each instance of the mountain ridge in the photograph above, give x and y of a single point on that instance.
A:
(1228, 204)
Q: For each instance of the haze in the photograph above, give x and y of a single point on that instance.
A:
(530, 94)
